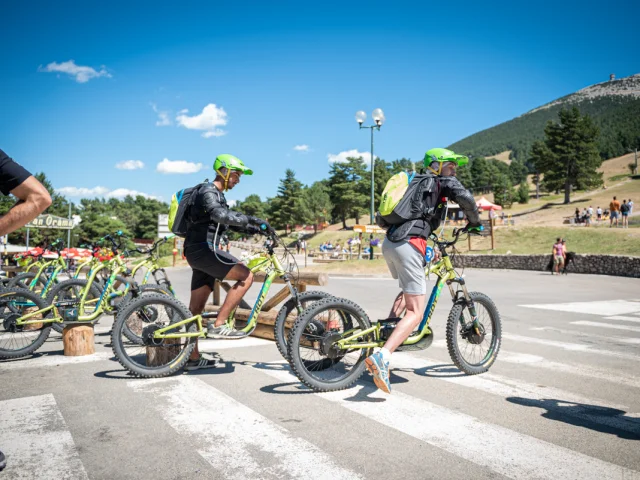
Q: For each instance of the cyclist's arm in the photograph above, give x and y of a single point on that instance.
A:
(218, 213)
(33, 200)
(452, 188)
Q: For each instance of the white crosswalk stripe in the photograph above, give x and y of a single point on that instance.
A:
(572, 347)
(36, 441)
(229, 434)
(603, 307)
(587, 323)
(623, 318)
(516, 455)
(578, 333)
(54, 360)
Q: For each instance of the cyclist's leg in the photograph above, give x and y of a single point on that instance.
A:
(244, 278)
(398, 306)
(201, 288)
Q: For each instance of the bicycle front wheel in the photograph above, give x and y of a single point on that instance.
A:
(313, 353)
(154, 357)
(472, 351)
(21, 340)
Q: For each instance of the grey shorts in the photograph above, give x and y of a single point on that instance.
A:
(406, 265)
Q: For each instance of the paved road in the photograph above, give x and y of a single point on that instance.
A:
(562, 401)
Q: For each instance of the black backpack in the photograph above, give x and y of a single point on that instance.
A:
(624, 208)
(179, 211)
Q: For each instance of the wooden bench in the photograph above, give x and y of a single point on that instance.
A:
(269, 312)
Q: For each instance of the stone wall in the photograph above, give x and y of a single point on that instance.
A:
(622, 266)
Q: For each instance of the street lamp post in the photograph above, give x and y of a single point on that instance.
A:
(378, 118)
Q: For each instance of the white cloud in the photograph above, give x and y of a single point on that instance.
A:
(123, 192)
(214, 133)
(80, 73)
(130, 165)
(163, 116)
(178, 166)
(342, 156)
(210, 119)
(232, 203)
(301, 148)
(83, 192)
(102, 192)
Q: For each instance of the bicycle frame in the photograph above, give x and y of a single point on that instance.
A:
(271, 266)
(446, 274)
(108, 292)
(60, 264)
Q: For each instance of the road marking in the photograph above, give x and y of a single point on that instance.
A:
(603, 308)
(36, 440)
(528, 394)
(237, 441)
(46, 360)
(213, 345)
(623, 318)
(578, 333)
(571, 347)
(541, 362)
(515, 455)
(369, 279)
(606, 325)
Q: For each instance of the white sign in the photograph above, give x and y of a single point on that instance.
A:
(163, 225)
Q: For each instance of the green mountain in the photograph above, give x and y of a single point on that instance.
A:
(613, 105)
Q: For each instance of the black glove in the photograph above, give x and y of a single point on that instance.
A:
(474, 228)
(253, 230)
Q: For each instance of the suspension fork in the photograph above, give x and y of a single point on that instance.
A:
(468, 300)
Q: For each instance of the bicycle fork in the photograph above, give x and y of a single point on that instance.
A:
(470, 304)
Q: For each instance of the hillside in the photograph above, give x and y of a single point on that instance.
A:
(614, 106)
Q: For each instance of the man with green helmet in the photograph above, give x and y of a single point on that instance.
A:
(209, 218)
(404, 250)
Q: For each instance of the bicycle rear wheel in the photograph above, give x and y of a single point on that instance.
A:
(155, 357)
(21, 340)
(133, 329)
(288, 315)
(71, 291)
(471, 352)
(312, 348)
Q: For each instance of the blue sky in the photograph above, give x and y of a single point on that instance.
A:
(258, 79)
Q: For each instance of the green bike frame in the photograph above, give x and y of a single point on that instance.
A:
(60, 264)
(445, 274)
(117, 266)
(272, 268)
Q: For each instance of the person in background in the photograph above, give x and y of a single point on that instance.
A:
(33, 199)
(599, 213)
(614, 209)
(558, 255)
(630, 203)
(624, 212)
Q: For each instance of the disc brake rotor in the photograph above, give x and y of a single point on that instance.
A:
(470, 335)
(148, 338)
(10, 323)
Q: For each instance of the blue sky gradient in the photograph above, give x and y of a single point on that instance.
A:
(286, 74)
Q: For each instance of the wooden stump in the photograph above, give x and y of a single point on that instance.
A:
(157, 356)
(78, 340)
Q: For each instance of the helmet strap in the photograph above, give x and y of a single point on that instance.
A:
(225, 177)
(439, 171)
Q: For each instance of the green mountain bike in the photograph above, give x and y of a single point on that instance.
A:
(149, 265)
(45, 277)
(168, 330)
(331, 339)
(26, 319)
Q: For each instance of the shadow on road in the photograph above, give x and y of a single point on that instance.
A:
(434, 371)
(600, 419)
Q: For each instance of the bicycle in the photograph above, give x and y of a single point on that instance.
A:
(169, 334)
(41, 280)
(331, 339)
(150, 263)
(27, 318)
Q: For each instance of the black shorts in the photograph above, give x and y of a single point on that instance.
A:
(208, 266)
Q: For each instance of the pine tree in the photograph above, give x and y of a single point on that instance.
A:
(523, 193)
(574, 156)
(316, 204)
(347, 189)
(503, 191)
(287, 204)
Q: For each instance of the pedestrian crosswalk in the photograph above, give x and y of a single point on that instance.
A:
(553, 414)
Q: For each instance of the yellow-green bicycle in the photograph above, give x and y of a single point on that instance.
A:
(169, 330)
(27, 318)
(330, 339)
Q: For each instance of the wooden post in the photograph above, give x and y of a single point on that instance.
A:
(469, 240)
(493, 239)
(216, 292)
(78, 340)
(157, 356)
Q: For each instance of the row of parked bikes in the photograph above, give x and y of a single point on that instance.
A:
(324, 338)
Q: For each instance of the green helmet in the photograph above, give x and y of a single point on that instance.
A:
(232, 163)
(442, 155)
